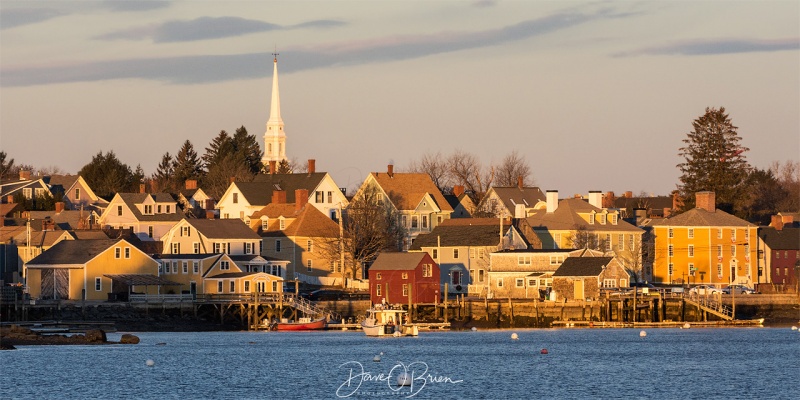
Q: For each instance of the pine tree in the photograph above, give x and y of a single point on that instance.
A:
(107, 175)
(163, 178)
(714, 160)
(220, 147)
(187, 164)
(247, 147)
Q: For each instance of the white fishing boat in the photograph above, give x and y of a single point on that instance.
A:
(384, 321)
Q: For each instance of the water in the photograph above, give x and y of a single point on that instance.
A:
(731, 363)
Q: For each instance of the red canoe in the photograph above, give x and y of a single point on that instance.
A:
(301, 326)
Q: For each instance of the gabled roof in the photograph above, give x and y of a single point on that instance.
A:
(229, 275)
(259, 191)
(132, 199)
(246, 257)
(6, 208)
(66, 219)
(650, 203)
(10, 188)
(89, 234)
(582, 266)
(13, 234)
(702, 217)
(223, 228)
(60, 183)
(73, 252)
(566, 217)
(48, 238)
(784, 239)
(308, 222)
(511, 196)
(460, 235)
(397, 261)
(406, 190)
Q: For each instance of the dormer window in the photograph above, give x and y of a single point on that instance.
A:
(168, 211)
(591, 219)
(264, 223)
(613, 219)
(158, 208)
(282, 224)
(148, 209)
(602, 219)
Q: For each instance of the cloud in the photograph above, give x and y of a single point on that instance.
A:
(126, 5)
(13, 18)
(484, 3)
(321, 24)
(717, 46)
(215, 68)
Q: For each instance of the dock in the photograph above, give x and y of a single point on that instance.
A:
(423, 326)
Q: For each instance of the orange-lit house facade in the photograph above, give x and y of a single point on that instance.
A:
(705, 246)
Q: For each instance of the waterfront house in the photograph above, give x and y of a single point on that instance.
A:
(226, 277)
(525, 273)
(514, 201)
(704, 245)
(393, 277)
(581, 278)
(81, 269)
(779, 255)
(148, 215)
(414, 196)
(462, 246)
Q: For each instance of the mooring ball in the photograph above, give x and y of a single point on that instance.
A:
(642, 334)
(404, 379)
(150, 363)
(544, 351)
(514, 336)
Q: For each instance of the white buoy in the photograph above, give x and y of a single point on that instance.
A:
(474, 329)
(794, 328)
(686, 326)
(150, 363)
(404, 379)
(377, 357)
(642, 334)
(514, 336)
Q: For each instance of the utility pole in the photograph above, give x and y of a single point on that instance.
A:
(341, 247)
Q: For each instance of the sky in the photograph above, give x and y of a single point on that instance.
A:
(594, 95)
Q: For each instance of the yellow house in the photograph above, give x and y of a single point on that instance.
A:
(80, 269)
(705, 245)
(225, 277)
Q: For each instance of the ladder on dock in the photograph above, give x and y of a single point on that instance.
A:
(711, 306)
(310, 308)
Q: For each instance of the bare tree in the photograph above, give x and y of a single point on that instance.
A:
(436, 167)
(582, 238)
(466, 169)
(788, 175)
(634, 257)
(512, 168)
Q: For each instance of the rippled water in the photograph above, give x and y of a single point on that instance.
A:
(739, 363)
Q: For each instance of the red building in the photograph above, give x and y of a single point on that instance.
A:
(393, 276)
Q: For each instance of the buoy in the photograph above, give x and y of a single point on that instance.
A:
(150, 363)
(377, 358)
(474, 329)
(514, 336)
(686, 326)
(794, 328)
(544, 351)
(404, 379)
(642, 334)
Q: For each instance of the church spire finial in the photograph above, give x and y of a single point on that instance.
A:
(274, 137)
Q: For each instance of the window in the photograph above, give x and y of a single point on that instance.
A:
(414, 221)
(378, 290)
(733, 250)
(733, 235)
(196, 267)
(405, 275)
(330, 197)
(719, 270)
(174, 267)
(158, 208)
(455, 278)
(224, 265)
(196, 247)
(160, 268)
(233, 286)
(670, 269)
(185, 231)
(608, 242)
(523, 260)
(691, 250)
(405, 290)
(176, 248)
(283, 224)
(333, 266)
(77, 193)
(117, 252)
(719, 233)
(471, 252)
(150, 231)
(168, 209)
(691, 269)
(435, 253)
(747, 234)
(621, 242)
(264, 223)
(455, 253)
(591, 219)
(670, 233)
(670, 250)
(278, 245)
(185, 267)
(427, 270)
(235, 198)
(499, 282)
(520, 282)
(424, 221)
(217, 247)
(481, 253)
(378, 276)
(556, 260)
(532, 282)
(630, 242)
(247, 286)
(148, 209)
(98, 284)
(691, 233)
(119, 211)
(27, 192)
(310, 246)
(481, 275)
(248, 248)
(404, 220)
(127, 252)
(557, 241)
(609, 283)
(613, 218)
(719, 250)
(308, 265)
(319, 197)
(219, 286)
(777, 254)
(602, 219)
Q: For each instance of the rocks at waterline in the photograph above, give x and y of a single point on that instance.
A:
(17, 335)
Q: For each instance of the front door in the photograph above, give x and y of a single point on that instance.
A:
(193, 290)
(579, 295)
(261, 286)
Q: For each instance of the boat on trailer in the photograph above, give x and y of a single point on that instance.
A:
(384, 321)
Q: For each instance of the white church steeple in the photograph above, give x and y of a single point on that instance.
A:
(274, 137)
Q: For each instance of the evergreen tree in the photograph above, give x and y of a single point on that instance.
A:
(163, 178)
(187, 165)
(107, 175)
(5, 166)
(219, 148)
(247, 147)
(762, 198)
(284, 167)
(713, 160)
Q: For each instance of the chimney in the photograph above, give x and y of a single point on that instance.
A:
(273, 167)
(705, 201)
(210, 214)
(191, 184)
(142, 188)
(552, 200)
(596, 198)
(279, 196)
(787, 219)
(2, 221)
(519, 182)
(233, 179)
(312, 166)
(390, 171)
(776, 222)
(628, 194)
(10, 199)
(24, 175)
(300, 199)
(676, 200)
(519, 211)
(48, 224)
(59, 207)
(640, 213)
(608, 200)
(458, 190)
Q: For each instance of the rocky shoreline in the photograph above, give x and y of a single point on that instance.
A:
(15, 335)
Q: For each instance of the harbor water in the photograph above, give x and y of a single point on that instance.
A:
(701, 363)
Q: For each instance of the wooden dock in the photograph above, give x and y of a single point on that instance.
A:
(426, 326)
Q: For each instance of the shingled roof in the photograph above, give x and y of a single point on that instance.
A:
(308, 222)
(223, 228)
(73, 252)
(132, 199)
(513, 195)
(460, 235)
(566, 217)
(406, 190)
(582, 266)
(259, 191)
(784, 239)
(702, 217)
(397, 261)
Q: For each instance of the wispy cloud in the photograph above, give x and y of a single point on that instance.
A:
(125, 5)
(13, 18)
(206, 28)
(214, 68)
(716, 46)
(484, 3)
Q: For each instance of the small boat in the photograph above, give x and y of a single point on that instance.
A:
(303, 324)
(383, 321)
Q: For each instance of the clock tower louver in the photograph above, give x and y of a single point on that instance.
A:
(274, 137)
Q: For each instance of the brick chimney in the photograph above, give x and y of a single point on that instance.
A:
(24, 175)
(458, 190)
(233, 179)
(191, 184)
(608, 200)
(552, 200)
(300, 199)
(142, 188)
(776, 222)
(519, 182)
(59, 207)
(9, 199)
(48, 224)
(273, 166)
(787, 219)
(390, 170)
(279, 196)
(312, 166)
(210, 214)
(628, 194)
(706, 201)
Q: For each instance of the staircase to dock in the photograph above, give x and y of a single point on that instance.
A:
(711, 305)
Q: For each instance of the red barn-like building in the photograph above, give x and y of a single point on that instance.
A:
(393, 276)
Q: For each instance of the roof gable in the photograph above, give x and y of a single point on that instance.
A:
(406, 190)
(701, 217)
(582, 266)
(397, 261)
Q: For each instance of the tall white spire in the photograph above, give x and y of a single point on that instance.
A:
(274, 137)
